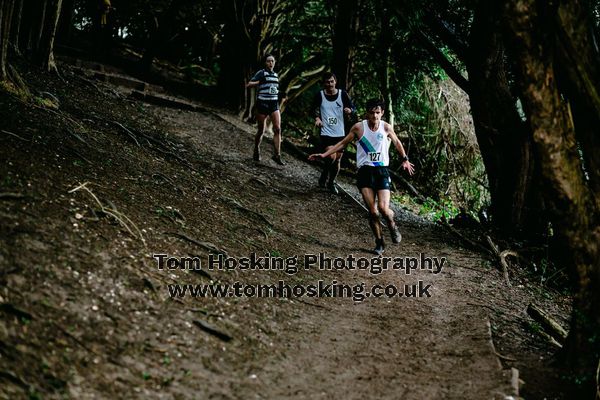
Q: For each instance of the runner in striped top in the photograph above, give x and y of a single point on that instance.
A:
(373, 138)
(267, 104)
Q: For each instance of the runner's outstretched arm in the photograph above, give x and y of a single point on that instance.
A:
(407, 165)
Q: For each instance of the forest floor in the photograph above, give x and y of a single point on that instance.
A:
(93, 184)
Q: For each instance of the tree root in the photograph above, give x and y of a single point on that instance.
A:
(168, 180)
(501, 256)
(11, 196)
(240, 207)
(472, 244)
(15, 135)
(128, 132)
(120, 217)
(206, 327)
(205, 245)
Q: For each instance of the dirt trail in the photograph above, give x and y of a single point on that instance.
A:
(438, 347)
(86, 314)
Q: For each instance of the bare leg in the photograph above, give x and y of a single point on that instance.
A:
(260, 122)
(368, 196)
(334, 168)
(383, 203)
(276, 119)
(328, 164)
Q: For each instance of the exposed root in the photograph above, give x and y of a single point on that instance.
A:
(240, 207)
(119, 216)
(11, 196)
(15, 135)
(205, 245)
(127, 131)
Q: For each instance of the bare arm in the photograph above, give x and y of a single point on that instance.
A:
(407, 165)
(252, 84)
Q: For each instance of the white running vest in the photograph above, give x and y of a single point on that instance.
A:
(373, 147)
(332, 116)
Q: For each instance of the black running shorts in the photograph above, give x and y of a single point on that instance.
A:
(267, 107)
(327, 141)
(376, 178)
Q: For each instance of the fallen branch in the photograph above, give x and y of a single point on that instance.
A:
(554, 329)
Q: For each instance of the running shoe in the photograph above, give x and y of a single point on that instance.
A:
(379, 247)
(333, 188)
(395, 233)
(277, 159)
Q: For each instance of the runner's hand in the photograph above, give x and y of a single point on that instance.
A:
(408, 166)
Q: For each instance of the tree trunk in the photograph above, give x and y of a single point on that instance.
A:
(32, 25)
(504, 140)
(65, 25)
(14, 38)
(578, 77)
(385, 41)
(570, 198)
(3, 38)
(38, 27)
(344, 36)
(45, 53)
(238, 55)
(6, 11)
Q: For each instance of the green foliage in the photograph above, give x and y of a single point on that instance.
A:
(444, 209)
(435, 115)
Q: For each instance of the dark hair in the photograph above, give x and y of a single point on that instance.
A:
(327, 75)
(267, 56)
(374, 103)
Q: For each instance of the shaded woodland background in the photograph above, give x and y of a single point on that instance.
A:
(498, 101)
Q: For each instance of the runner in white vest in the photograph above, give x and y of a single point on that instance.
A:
(373, 138)
(330, 106)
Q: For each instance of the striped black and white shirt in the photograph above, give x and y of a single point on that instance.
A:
(268, 87)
